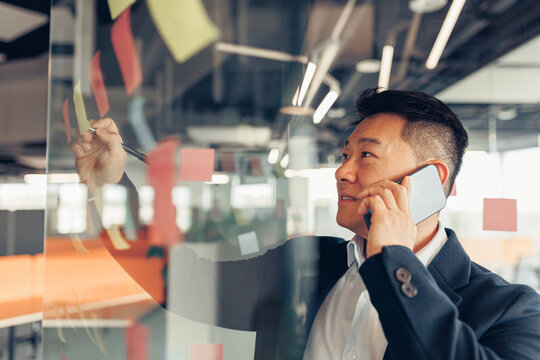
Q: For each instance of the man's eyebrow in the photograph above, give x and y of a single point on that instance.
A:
(370, 140)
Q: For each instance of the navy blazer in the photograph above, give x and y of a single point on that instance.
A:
(454, 309)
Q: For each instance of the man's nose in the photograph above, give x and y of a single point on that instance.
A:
(346, 173)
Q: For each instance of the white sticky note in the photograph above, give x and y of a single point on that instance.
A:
(248, 243)
(80, 111)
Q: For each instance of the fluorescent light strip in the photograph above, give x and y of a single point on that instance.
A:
(444, 34)
(301, 91)
(386, 66)
(325, 105)
(284, 161)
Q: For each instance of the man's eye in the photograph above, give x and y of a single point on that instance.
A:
(344, 156)
(366, 154)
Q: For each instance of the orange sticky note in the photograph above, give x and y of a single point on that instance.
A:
(125, 51)
(196, 164)
(137, 342)
(500, 214)
(206, 352)
(65, 113)
(98, 85)
(161, 173)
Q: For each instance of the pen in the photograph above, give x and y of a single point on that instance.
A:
(139, 155)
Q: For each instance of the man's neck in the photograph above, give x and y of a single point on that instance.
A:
(426, 232)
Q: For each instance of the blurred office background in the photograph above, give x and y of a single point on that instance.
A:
(271, 92)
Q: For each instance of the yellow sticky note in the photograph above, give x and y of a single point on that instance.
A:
(118, 6)
(80, 111)
(184, 25)
(117, 239)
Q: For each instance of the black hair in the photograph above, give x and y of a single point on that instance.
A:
(433, 130)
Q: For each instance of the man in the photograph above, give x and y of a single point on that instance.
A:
(397, 291)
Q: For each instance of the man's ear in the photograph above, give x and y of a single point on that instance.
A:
(442, 169)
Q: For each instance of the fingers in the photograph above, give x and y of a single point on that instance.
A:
(107, 133)
(394, 195)
(383, 193)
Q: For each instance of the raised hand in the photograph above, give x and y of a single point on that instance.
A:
(100, 158)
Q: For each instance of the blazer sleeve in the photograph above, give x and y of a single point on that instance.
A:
(421, 322)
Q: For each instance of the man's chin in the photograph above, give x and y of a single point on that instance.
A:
(357, 228)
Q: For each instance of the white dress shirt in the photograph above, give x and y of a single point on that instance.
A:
(347, 325)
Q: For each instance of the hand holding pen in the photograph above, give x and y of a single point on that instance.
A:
(100, 157)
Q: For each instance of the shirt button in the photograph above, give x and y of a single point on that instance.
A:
(409, 290)
(403, 275)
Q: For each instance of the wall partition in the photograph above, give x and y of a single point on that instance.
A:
(188, 138)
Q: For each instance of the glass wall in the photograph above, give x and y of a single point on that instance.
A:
(232, 115)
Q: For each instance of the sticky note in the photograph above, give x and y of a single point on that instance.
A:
(256, 166)
(137, 338)
(206, 352)
(161, 174)
(80, 111)
(62, 355)
(98, 85)
(126, 53)
(248, 243)
(78, 245)
(184, 26)
(196, 164)
(65, 113)
(117, 240)
(500, 214)
(227, 162)
(117, 6)
(142, 131)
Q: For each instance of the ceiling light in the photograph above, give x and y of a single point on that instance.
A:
(336, 113)
(290, 173)
(301, 91)
(426, 6)
(444, 34)
(219, 179)
(273, 156)
(506, 114)
(325, 105)
(386, 66)
(369, 66)
(284, 161)
(297, 110)
(16, 21)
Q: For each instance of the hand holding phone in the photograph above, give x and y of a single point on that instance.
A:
(427, 195)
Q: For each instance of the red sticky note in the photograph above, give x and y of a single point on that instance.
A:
(126, 54)
(65, 112)
(500, 214)
(196, 164)
(256, 166)
(137, 342)
(227, 162)
(98, 85)
(62, 355)
(453, 192)
(206, 352)
(161, 174)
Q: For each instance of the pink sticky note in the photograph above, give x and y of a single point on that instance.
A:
(196, 164)
(62, 355)
(137, 342)
(206, 352)
(161, 173)
(65, 113)
(227, 162)
(98, 85)
(126, 54)
(453, 192)
(500, 214)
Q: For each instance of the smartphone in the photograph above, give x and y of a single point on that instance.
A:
(427, 195)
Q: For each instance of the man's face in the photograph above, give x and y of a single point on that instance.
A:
(374, 151)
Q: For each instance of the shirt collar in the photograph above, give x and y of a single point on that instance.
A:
(355, 248)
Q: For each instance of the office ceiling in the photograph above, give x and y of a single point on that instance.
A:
(216, 89)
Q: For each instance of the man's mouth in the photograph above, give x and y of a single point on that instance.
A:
(345, 197)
